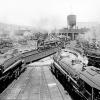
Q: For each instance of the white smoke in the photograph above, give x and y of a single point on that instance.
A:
(93, 33)
(48, 23)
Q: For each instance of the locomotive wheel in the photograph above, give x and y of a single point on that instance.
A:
(52, 72)
(69, 87)
(59, 76)
(1, 88)
(64, 81)
(51, 68)
(67, 84)
(3, 85)
(17, 73)
(56, 73)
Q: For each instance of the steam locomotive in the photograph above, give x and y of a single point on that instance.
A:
(13, 65)
(43, 45)
(10, 69)
(94, 57)
(75, 75)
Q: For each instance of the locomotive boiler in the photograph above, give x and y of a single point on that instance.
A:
(76, 75)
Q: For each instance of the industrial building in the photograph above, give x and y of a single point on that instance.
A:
(72, 30)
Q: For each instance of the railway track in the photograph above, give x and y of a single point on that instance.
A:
(37, 83)
(13, 67)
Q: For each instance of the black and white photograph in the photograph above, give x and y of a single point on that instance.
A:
(49, 49)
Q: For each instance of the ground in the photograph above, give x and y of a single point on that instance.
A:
(36, 83)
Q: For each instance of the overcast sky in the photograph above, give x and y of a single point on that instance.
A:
(38, 12)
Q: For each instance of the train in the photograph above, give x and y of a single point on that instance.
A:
(12, 67)
(76, 75)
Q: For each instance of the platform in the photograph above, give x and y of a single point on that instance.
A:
(36, 83)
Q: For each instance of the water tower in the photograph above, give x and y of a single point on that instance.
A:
(71, 20)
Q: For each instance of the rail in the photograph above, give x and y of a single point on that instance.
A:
(39, 55)
(29, 56)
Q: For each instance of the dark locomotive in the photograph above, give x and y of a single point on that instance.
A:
(93, 56)
(76, 75)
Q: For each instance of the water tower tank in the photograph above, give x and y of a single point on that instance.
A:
(71, 20)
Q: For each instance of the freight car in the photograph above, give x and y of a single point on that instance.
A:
(76, 76)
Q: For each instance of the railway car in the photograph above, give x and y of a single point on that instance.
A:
(10, 69)
(76, 76)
